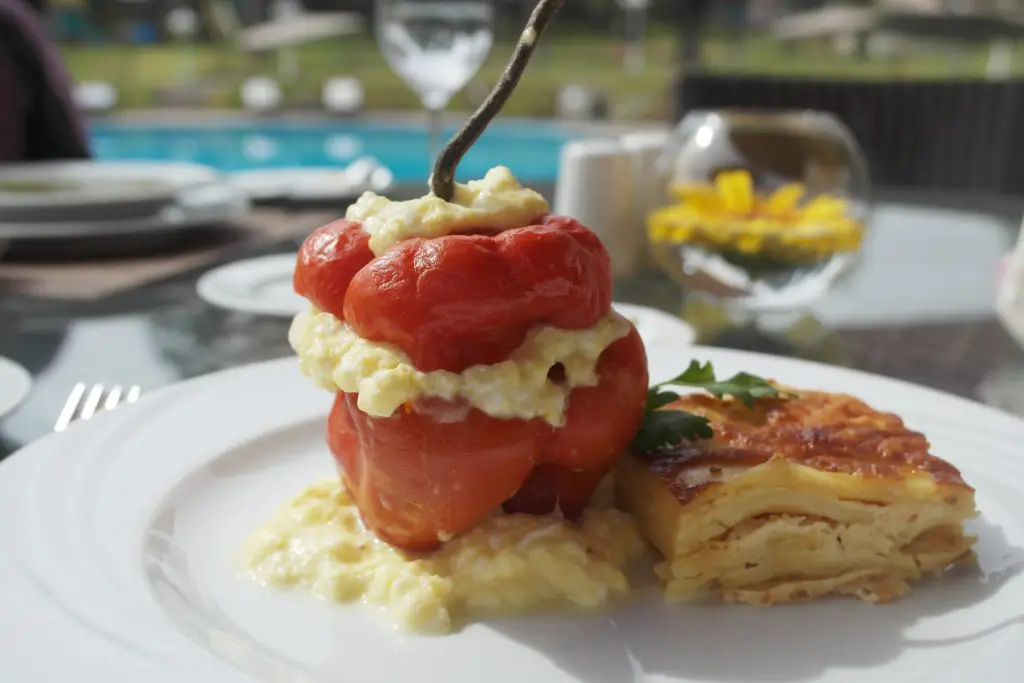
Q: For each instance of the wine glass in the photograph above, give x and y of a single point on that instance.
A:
(436, 47)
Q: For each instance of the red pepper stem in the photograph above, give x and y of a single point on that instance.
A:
(442, 180)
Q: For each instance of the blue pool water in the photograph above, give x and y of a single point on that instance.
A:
(529, 149)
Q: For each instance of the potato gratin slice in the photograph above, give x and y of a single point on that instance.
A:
(797, 498)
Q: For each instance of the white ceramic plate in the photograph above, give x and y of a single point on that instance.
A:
(1003, 388)
(657, 326)
(118, 541)
(86, 185)
(314, 184)
(263, 286)
(201, 205)
(15, 385)
(258, 286)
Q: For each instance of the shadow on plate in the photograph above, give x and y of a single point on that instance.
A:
(34, 348)
(269, 451)
(717, 642)
(337, 204)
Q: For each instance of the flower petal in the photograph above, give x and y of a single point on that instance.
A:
(736, 190)
(702, 197)
(824, 207)
(784, 199)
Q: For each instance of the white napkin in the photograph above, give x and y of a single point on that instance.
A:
(595, 186)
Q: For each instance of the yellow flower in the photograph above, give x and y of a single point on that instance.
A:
(729, 214)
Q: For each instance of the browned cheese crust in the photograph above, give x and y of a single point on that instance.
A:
(799, 497)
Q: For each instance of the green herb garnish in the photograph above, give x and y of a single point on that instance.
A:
(669, 428)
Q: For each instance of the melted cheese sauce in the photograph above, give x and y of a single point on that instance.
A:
(335, 357)
(497, 201)
(507, 564)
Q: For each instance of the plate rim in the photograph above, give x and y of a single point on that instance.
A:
(154, 223)
(1011, 422)
(679, 325)
(176, 176)
(208, 285)
(24, 383)
(285, 183)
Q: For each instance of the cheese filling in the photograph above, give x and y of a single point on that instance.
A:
(505, 565)
(336, 358)
(496, 201)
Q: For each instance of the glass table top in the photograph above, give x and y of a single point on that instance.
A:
(919, 309)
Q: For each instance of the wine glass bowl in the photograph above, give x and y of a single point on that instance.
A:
(763, 210)
(435, 46)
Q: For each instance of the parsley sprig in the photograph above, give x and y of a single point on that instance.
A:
(669, 428)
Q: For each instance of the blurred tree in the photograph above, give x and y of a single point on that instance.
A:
(252, 11)
(104, 14)
(691, 17)
(595, 15)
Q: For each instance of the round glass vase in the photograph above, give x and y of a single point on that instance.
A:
(763, 212)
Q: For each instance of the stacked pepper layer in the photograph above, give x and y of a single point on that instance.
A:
(432, 470)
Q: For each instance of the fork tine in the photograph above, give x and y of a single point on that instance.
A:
(83, 405)
(67, 413)
(92, 401)
(113, 398)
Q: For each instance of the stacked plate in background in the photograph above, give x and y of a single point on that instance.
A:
(80, 207)
(297, 185)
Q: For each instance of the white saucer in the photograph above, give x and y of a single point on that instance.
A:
(15, 384)
(314, 184)
(199, 206)
(90, 189)
(1003, 388)
(656, 326)
(258, 286)
(263, 286)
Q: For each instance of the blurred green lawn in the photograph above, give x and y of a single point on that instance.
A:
(148, 76)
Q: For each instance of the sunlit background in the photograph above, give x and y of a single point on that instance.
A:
(605, 60)
(839, 181)
(154, 61)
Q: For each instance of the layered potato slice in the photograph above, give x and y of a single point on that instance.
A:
(797, 498)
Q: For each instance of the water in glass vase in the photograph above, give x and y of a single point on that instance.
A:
(435, 47)
(753, 282)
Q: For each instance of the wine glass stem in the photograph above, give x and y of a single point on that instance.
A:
(434, 142)
(636, 20)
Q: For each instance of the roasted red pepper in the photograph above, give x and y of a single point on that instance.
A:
(450, 303)
(328, 260)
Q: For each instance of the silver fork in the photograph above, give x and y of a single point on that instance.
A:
(83, 404)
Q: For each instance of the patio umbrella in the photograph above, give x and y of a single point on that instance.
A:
(691, 18)
(973, 27)
(289, 31)
(996, 31)
(299, 30)
(826, 21)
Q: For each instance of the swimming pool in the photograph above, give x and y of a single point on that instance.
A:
(529, 149)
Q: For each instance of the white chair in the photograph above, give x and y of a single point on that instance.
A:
(580, 103)
(95, 97)
(182, 23)
(343, 95)
(261, 94)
